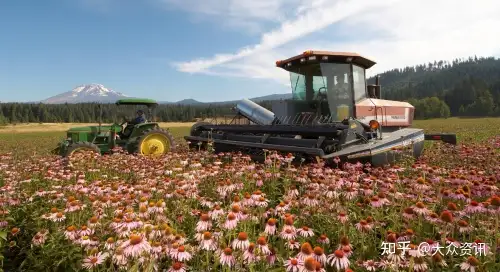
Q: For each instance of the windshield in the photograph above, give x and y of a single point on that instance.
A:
(330, 81)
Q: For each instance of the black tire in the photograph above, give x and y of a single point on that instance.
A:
(196, 132)
(81, 146)
(165, 133)
(194, 129)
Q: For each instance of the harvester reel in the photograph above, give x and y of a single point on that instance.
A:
(81, 146)
(155, 142)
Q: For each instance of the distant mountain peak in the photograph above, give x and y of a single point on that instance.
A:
(86, 93)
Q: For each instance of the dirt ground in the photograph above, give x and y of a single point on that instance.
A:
(42, 127)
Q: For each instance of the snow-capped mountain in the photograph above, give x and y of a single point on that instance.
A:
(86, 93)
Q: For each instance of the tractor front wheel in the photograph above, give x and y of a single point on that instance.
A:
(81, 146)
(155, 142)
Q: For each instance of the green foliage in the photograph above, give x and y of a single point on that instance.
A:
(469, 87)
(430, 107)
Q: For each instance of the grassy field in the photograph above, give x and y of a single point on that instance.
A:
(198, 211)
(29, 139)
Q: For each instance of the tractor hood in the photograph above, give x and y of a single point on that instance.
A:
(94, 129)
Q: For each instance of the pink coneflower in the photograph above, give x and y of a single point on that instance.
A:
(310, 200)
(216, 212)
(370, 265)
(135, 246)
(289, 224)
(408, 213)
(292, 244)
(270, 226)
(249, 255)
(241, 242)
(231, 221)
(438, 260)
(451, 241)
(261, 202)
(85, 231)
(288, 234)
(204, 223)
(207, 242)
(376, 202)
(294, 265)
(271, 258)
(342, 217)
(262, 245)
(293, 192)
(306, 251)
(323, 239)
(71, 233)
(345, 243)
(363, 226)
(39, 238)
(415, 252)
(156, 249)
(227, 258)
(93, 222)
(305, 232)
(319, 255)
(464, 227)
(338, 260)
(420, 209)
(177, 267)
(470, 265)
(182, 255)
(94, 260)
(110, 244)
(58, 217)
(350, 193)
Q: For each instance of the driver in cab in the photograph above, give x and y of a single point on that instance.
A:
(141, 118)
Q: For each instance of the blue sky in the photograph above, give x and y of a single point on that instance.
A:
(215, 50)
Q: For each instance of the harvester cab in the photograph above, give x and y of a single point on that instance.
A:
(145, 138)
(332, 114)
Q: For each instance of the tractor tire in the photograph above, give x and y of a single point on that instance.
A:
(155, 142)
(87, 146)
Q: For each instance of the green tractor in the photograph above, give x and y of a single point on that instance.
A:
(146, 138)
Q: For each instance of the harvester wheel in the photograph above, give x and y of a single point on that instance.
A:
(81, 146)
(196, 132)
(155, 142)
(194, 129)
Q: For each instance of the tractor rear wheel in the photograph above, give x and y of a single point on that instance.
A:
(81, 146)
(155, 142)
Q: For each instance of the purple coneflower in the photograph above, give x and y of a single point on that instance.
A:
(294, 265)
(94, 260)
(338, 260)
(135, 246)
(241, 242)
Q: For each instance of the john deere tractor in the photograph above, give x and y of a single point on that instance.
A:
(146, 138)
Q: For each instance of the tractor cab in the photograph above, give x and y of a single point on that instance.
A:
(143, 109)
(326, 85)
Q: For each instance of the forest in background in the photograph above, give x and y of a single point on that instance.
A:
(464, 87)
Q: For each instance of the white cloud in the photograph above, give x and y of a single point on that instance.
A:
(410, 32)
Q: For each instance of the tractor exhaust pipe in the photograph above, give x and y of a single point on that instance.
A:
(255, 112)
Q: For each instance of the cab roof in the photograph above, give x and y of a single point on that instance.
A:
(326, 57)
(137, 101)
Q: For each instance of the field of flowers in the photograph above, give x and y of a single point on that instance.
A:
(201, 211)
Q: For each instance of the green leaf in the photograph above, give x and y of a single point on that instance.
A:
(3, 235)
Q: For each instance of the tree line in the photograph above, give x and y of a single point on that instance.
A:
(89, 112)
(462, 87)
